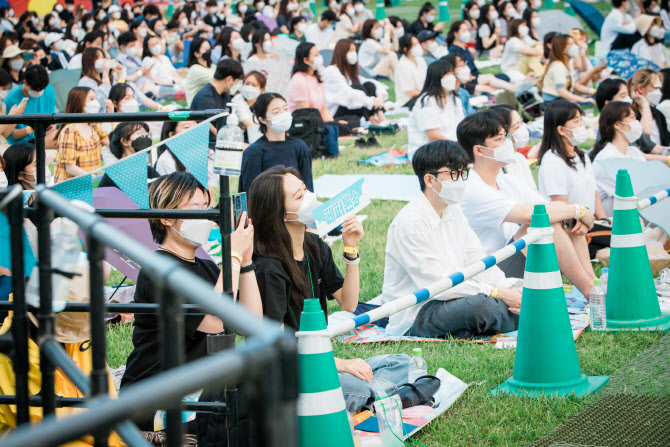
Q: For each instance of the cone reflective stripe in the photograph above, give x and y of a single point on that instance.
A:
(546, 359)
(443, 11)
(322, 415)
(380, 12)
(631, 293)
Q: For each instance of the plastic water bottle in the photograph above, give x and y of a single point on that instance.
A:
(65, 253)
(604, 276)
(417, 366)
(229, 146)
(597, 310)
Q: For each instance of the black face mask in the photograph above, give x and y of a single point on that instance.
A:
(207, 57)
(29, 23)
(44, 61)
(141, 143)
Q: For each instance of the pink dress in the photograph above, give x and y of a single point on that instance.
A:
(304, 87)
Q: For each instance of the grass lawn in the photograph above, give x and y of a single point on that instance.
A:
(475, 419)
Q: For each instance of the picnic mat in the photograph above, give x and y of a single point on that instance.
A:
(389, 158)
(381, 187)
(371, 333)
(418, 417)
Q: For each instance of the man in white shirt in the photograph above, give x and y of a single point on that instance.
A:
(499, 206)
(321, 32)
(618, 31)
(430, 239)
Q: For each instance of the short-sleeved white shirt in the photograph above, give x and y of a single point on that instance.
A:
(369, 55)
(556, 178)
(486, 207)
(510, 54)
(606, 184)
(430, 115)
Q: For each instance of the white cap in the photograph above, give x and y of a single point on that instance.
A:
(113, 8)
(52, 38)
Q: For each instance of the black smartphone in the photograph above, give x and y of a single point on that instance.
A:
(240, 206)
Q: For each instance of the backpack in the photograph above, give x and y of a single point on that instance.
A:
(308, 126)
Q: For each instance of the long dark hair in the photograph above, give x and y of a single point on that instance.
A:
(17, 157)
(432, 86)
(196, 44)
(607, 90)
(339, 60)
(257, 39)
(168, 128)
(117, 93)
(271, 237)
(224, 41)
(302, 53)
(123, 132)
(88, 58)
(611, 114)
(260, 107)
(453, 29)
(665, 88)
(557, 114)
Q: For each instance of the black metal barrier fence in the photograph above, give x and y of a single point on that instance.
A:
(268, 360)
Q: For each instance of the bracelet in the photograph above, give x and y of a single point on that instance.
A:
(235, 267)
(351, 250)
(578, 211)
(350, 262)
(494, 292)
(249, 268)
(582, 209)
(236, 255)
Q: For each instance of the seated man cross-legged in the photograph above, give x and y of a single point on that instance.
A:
(429, 239)
(499, 206)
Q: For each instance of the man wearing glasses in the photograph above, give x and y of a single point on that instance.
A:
(499, 206)
(429, 239)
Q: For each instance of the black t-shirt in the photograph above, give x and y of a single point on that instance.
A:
(145, 359)
(275, 284)
(208, 98)
(418, 26)
(107, 180)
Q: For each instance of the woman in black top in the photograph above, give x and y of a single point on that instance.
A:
(178, 240)
(274, 147)
(127, 139)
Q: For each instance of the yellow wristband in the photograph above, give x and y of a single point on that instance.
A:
(583, 211)
(351, 250)
(494, 292)
(236, 255)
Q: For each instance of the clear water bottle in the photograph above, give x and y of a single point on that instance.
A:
(604, 276)
(417, 365)
(65, 252)
(229, 146)
(597, 308)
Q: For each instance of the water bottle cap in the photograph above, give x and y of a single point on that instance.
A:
(596, 282)
(416, 351)
(604, 270)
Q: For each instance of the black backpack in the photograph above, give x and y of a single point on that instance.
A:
(308, 126)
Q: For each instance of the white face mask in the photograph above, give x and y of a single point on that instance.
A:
(116, 15)
(16, 64)
(433, 47)
(657, 32)
(34, 93)
(307, 207)
(242, 9)
(378, 33)
(536, 22)
(111, 27)
(504, 153)
(3, 94)
(654, 97)
(317, 63)
(292, 6)
(573, 51)
(520, 137)
(399, 32)
(131, 51)
(523, 6)
(131, 106)
(302, 27)
(90, 24)
(493, 15)
(656, 9)
(417, 51)
(635, 131)
(155, 50)
(235, 88)
(58, 7)
(183, 22)
(464, 36)
(269, 11)
(481, 3)
(282, 122)
(452, 191)
(238, 44)
(430, 18)
(449, 82)
(195, 231)
(352, 57)
(628, 100)
(267, 46)
(537, 4)
(260, 6)
(142, 32)
(474, 14)
(99, 65)
(523, 31)
(213, 10)
(358, 7)
(92, 107)
(463, 74)
(249, 92)
(579, 135)
(26, 175)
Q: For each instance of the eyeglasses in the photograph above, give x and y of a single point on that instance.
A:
(455, 174)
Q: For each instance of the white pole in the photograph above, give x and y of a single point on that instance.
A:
(661, 195)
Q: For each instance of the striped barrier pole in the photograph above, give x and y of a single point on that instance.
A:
(546, 361)
(661, 195)
(438, 287)
(631, 301)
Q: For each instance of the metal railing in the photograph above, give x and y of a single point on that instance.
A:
(268, 359)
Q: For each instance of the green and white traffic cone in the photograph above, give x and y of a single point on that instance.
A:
(443, 11)
(312, 7)
(322, 414)
(631, 301)
(567, 8)
(395, 3)
(380, 12)
(549, 4)
(546, 361)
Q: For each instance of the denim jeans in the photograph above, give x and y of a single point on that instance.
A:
(389, 372)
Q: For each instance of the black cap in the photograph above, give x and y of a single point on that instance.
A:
(329, 15)
(425, 35)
